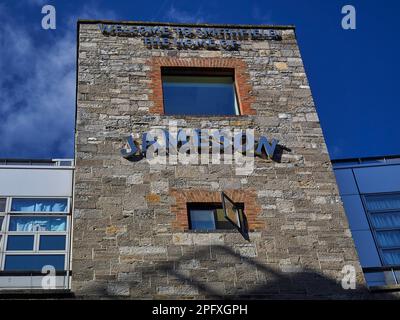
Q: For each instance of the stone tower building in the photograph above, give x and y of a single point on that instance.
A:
(145, 230)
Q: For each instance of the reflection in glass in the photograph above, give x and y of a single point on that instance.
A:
(199, 95)
(231, 211)
(388, 238)
(39, 205)
(383, 202)
(29, 224)
(391, 257)
(202, 219)
(221, 221)
(386, 220)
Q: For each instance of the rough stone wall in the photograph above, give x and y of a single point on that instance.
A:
(126, 241)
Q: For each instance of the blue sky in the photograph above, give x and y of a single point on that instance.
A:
(353, 74)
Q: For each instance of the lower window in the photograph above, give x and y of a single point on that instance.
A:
(208, 218)
(32, 262)
(213, 216)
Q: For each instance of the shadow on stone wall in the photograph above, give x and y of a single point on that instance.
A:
(298, 284)
(279, 149)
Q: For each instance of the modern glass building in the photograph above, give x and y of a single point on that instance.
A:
(35, 223)
(370, 191)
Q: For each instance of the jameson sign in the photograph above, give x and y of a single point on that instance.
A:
(204, 146)
(165, 37)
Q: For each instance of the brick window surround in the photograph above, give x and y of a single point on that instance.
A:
(241, 75)
(252, 209)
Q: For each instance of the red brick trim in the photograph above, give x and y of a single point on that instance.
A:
(246, 196)
(242, 82)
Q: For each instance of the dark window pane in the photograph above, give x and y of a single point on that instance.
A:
(383, 202)
(202, 219)
(52, 243)
(201, 95)
(2, 204)
(18, 163)
(39, 205)
(33, 262)
(386, 220)
(1, 223)
(221, 221)
(37, 223)
(20, 242)
(65, 163)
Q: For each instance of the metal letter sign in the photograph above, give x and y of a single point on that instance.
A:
(165, 37)
(264, 148)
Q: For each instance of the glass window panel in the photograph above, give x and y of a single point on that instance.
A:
(33, 262)
(1, 223)
(3, 204)
(231, 211)
(202, 219)
(383, 202)
(52, 243)
(391, 257)
(39, 205)
(29, 224)
(201, 95)
(65, 163)
(388, 238)
(375, 278)
(221, 222)
(20, 242)
(386, 220)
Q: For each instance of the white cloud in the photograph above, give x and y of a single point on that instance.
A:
(37, 89)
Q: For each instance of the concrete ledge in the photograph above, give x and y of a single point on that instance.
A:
(148, 23)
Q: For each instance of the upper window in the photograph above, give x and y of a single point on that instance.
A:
(39, 205)
(198, 91)
(384, 215)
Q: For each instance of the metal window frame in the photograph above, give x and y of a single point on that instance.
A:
(36, 233)
(3, 214)
(224, 198)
